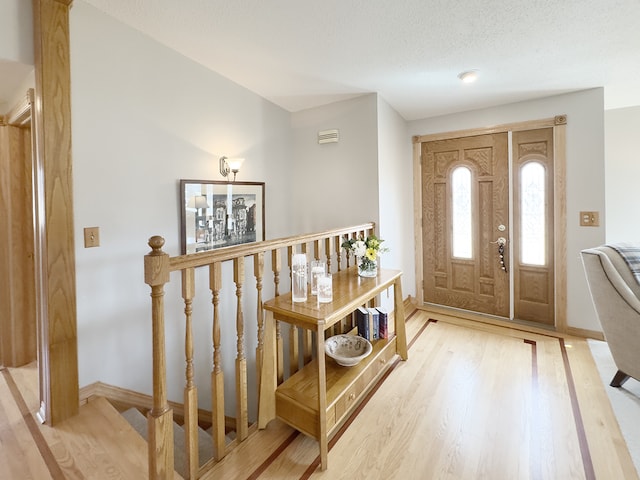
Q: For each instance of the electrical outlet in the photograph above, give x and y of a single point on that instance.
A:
(589, 219)
(91, 237)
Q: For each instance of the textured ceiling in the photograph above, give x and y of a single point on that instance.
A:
(300, 54)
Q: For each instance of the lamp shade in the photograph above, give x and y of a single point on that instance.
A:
(235, 163)
(201, 201)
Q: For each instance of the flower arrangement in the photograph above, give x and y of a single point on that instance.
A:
(366, 252)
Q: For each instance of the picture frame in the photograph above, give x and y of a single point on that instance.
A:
(216, 214)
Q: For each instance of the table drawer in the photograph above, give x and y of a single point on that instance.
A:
(354, 393)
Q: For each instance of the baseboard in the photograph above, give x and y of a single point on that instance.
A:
(582, 332)
(410, 305)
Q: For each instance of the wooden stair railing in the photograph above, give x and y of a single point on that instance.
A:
(157, 267)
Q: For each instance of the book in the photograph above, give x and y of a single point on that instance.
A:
(362, 322)
(383, 330)
(374, 317)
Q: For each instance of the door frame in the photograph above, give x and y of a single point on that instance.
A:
(18, 325)
(559, 124)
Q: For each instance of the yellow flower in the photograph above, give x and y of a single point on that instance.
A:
(370, 253)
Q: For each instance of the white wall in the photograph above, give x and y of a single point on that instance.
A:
(16, 52)
(585, 171)
(335, 184)
(16, 31)
(366, 176)
(622, 172)
(143, 118)
(395, 167)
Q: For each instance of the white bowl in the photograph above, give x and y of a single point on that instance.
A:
(347, 350)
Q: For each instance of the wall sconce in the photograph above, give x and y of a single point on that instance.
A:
(230, 165)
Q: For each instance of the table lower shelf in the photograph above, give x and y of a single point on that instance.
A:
(297, 398)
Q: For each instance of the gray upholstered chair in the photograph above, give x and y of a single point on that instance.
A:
(616, 297)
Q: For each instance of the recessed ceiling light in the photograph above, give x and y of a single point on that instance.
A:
(469, 76)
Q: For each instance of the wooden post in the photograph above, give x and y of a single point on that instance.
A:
(57, 344)
(267, 396)
(401, 335)
(294, 343)
(160, 417)
(322, 400)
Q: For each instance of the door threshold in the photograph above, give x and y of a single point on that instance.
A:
(444, 312)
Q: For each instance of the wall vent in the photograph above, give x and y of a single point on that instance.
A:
(328, 136)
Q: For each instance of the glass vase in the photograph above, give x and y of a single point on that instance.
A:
(367, 268)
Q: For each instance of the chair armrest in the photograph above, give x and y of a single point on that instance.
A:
(614, 277)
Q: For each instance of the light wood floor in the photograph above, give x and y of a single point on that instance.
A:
(473, 401)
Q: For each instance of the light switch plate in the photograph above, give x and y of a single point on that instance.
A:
(589, 219)
(91, 237)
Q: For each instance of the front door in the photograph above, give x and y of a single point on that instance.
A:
(466, 223)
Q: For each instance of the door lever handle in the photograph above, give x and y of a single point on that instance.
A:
(501, 243)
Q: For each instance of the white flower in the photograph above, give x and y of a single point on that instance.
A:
(359, 248)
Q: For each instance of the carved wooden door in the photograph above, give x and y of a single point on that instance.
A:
(465, 202)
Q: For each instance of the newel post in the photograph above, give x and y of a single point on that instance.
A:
(160, 417)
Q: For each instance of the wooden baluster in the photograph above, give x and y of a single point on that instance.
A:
(276, 262)
(328, 252)
(338, 249)
(316, 250)
(348, 255)
(258, 269)
(160, 417)
(217, 374)
(190, 390)
(241, 361)
(293, 331)
(276, 267)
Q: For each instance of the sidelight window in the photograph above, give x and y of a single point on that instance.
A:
(532, 214)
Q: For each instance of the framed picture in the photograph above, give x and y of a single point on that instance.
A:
(217, 214)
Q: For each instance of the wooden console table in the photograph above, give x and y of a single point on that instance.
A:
(318, 398)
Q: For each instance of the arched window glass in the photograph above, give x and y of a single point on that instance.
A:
(461, 209)
(532, 214)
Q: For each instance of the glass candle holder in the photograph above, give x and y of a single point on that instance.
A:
(325, 288)
(317, 267)
(299, 277)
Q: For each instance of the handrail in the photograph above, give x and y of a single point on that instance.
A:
(157, 266)
(201, 259)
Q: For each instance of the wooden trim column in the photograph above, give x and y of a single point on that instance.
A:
(560, 218)
(58, 351)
